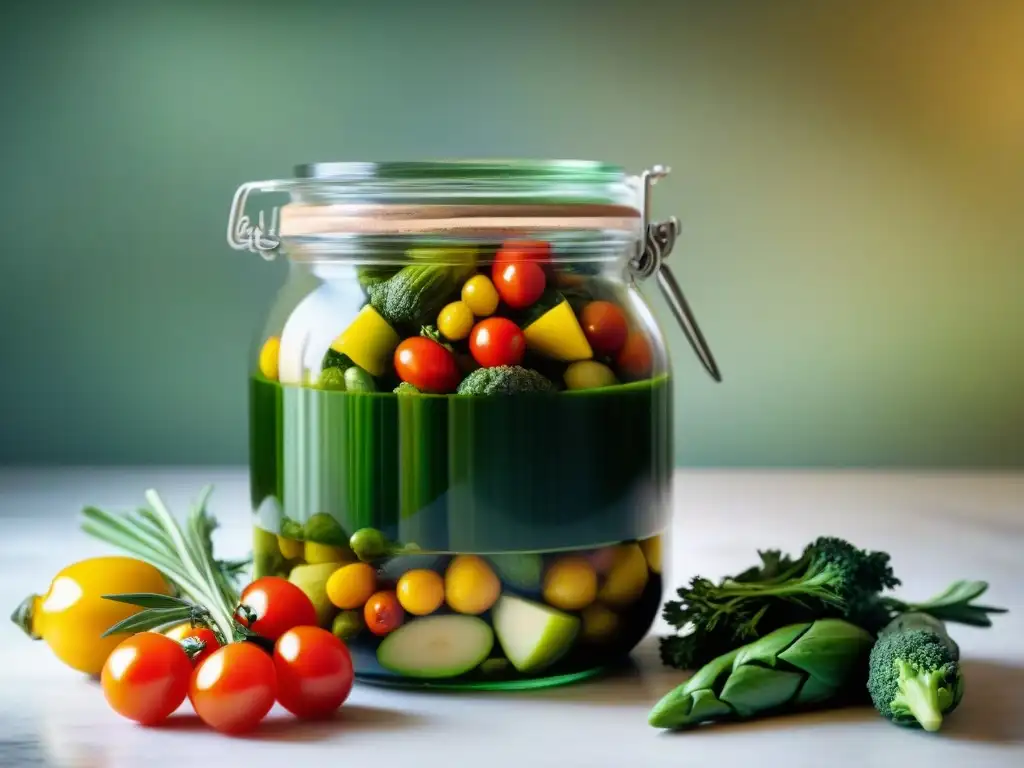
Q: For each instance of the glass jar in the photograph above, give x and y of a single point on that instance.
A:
(461, 414)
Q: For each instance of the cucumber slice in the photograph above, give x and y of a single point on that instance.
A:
(437, 646)
(533, 635)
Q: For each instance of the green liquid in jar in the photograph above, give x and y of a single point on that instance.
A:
(544, 477)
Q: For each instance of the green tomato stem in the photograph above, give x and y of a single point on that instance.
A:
(22, 616)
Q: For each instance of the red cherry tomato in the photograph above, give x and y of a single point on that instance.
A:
(234, 689)
(205, 634)
(634, 360)
(145, 678)
(314, 672)
(523, 250)
(279, 605)
(383, 613)
(604, 324)
(427, 365)
(497, 341)
(519, 283)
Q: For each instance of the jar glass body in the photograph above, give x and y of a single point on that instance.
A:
(509, 507)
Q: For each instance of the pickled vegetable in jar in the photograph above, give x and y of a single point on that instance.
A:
(461, 414)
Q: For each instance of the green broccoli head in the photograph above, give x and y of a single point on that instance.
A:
(335, 359)
(853, 578)
(405, 388)
(331, 378)
(504, 380)
(914, 679)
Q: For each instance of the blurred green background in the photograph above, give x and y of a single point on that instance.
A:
(850, 178)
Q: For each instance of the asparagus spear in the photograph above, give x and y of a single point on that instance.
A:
(795, 667)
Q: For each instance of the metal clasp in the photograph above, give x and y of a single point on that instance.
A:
(658, 239)
(262, 238)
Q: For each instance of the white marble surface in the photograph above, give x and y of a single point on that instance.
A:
(937, 526)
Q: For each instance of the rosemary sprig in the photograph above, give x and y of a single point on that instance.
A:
(184, 554)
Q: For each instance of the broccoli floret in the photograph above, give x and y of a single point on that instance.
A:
(504, 380)
(831, 579)
(405, 388)
(335, 359)
(914, 677)
(331, 378)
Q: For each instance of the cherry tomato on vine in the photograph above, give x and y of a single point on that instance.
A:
(523, 250)
(383, 613)
(519, 283)
(205, 634)
(497, 341)
(278, 605)
(234, 689)
(605, 326)
(314, 672)
(146, 677)
(635, 359)
(427, 365)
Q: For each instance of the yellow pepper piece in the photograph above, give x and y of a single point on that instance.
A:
(557, 334)
(268, 357)
(368, 342)
(291, 549)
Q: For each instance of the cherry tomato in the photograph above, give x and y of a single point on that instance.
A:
(234, 689)
(604, 324)
(279, 605)
(383, 613)
(523, 250)
(634, 360)
(519, 283)
(497, 341)
(314, 672)
(145, 678)
(427, 365)
(186, 630)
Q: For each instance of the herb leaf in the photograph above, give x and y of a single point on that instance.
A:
(152, 618)
(149, 600)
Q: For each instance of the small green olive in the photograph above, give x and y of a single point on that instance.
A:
(324, 529)
(292, 529)
(332, 379)
(348, 624)
(369, 544)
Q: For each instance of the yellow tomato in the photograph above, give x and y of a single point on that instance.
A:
(72, 614)
(351, 585)
(420, 591)
(480, 295)
(600, 623)
(268, 357)
(455, 321)
(589, 374)
(570, 583)
(470, 585)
